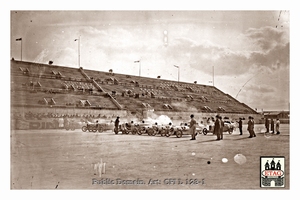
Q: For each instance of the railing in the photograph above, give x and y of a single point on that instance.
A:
(100, 88)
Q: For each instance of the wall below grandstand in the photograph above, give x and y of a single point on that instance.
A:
(69, 111)
(178, 117)
(33, 118)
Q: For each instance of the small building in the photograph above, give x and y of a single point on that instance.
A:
(283, 116)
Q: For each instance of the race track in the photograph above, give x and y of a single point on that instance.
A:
(60, 159)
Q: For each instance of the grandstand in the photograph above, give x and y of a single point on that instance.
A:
(69, 91)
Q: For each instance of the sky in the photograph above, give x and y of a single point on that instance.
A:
(246, 54)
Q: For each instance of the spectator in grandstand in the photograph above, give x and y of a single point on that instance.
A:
(193, 127)
(217, 127)
(241, 126)
(221, 127)
(117, 121)
(277, 126)
(272, 125)
(267, 125)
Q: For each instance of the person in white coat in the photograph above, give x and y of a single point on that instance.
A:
(277, 126)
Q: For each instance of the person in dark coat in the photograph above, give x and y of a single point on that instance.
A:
(117, 121)
(217, 127)
(267, 125)
(272, 125)
(221, 127)
(253, 133)
(250, 127)
(241, 126)
(193, 127)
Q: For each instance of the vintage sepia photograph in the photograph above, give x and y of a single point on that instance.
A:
(150, 99)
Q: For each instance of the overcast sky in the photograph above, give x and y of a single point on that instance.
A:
(248, 51)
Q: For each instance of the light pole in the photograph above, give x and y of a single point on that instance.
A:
(20, 39)
(78, 50)
(139, 61)
(213, 75)
(178, 71)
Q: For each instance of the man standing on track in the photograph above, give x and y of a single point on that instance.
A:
(267, 125)
(251, 127)
(272, 125)
(253, 132)
(277, 126)
(221, 127)
(241, 126)
(217, 127)
(117, 121)
(193, 127)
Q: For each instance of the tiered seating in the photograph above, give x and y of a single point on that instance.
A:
(19, 81)
(72, 100)
(78, 85)
(51, 83)
(25, 98)
(71, 73)
(33, 84)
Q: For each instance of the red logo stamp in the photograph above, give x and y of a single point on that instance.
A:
(272, 171)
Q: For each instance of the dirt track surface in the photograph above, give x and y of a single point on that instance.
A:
(60, 159)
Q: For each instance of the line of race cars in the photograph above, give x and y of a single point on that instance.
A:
(150, 129)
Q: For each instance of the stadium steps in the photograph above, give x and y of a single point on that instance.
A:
(44, 78)
(100, 88)
(21, 98)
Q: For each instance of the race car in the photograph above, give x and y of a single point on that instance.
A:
(145, 128)
(126, 128)
(135, 128)
(94, 127)
(229, 127)
(163, 129)
(70, 124)
(184, 129)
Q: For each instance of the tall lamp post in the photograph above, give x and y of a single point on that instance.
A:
(78, 50)
(178, 71)
(20, 39)
(139, 61)
(213, 75)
